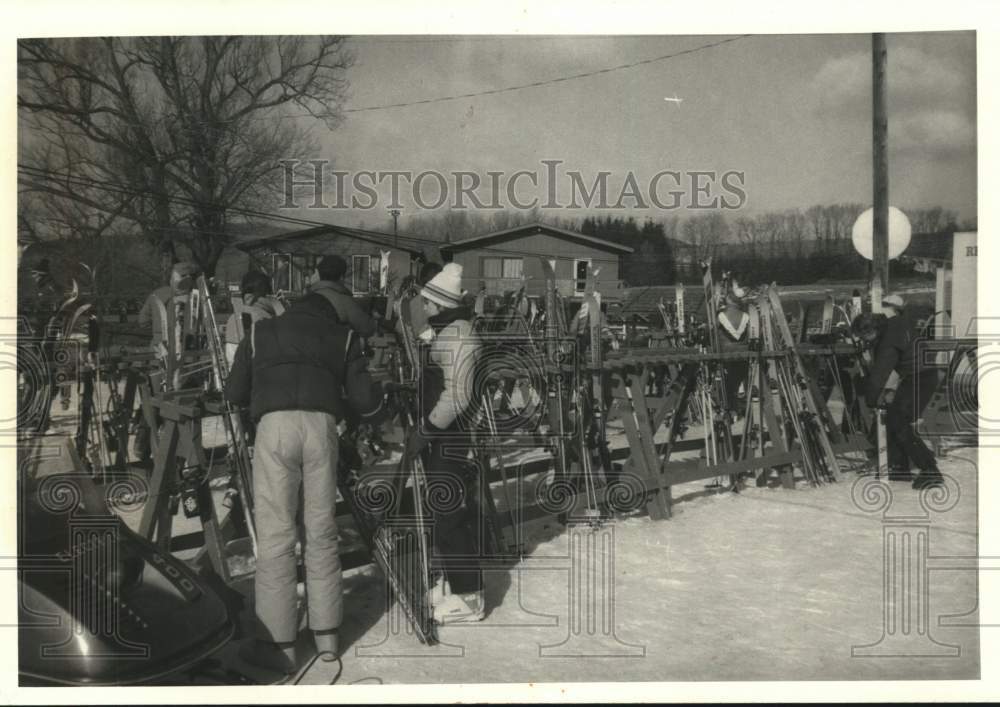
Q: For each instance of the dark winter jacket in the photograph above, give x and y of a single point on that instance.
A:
(305, 359)
(348, 309)
(895, 350)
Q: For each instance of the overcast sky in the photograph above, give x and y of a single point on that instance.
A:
(791, 111)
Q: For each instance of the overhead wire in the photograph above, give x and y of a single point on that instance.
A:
(454, 97)
(425, 242)
(548, 82)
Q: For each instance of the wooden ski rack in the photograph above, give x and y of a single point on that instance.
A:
(667, 402)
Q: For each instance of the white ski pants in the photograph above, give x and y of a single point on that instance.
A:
(295, 462)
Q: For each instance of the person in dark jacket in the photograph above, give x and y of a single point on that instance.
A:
(869, 329)
(330, 284)
(300, 374)
(896, 351)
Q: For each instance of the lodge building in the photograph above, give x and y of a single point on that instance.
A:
(501, 261)
(507, 260)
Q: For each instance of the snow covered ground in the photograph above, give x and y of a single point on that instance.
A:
(767, 584)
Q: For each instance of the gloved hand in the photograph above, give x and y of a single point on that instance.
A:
(881, 401)
(416, 440)
(885, 399)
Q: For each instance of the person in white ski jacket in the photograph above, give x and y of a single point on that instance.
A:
(447, 399)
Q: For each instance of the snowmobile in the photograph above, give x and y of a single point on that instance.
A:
(99, 604)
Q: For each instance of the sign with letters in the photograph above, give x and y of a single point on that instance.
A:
(965, 258)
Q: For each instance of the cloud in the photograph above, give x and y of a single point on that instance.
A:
(936, 133)
(931, 100)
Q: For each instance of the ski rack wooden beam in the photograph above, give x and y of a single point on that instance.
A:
(668, 356)
(637, 364)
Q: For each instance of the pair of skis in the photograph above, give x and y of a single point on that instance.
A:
(595, 458)
(716, 415)
(815, 426)
(238, 453)
(401, 546)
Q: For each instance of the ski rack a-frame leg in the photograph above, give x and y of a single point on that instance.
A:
(672, 413)
(634, 414)
(179, 439)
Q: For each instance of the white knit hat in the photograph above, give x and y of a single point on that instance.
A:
(893, 301)
(445, 288)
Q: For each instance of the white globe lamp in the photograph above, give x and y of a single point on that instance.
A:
(899, 233)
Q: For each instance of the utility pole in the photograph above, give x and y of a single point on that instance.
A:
(395, 227)
(880, 174)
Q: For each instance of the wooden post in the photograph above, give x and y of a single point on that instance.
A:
(395, 227)
(941, 321)
(880, 174)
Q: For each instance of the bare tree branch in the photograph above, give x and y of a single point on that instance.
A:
(169, 133)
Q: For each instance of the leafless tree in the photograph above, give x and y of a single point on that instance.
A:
(747, 234)
(705, 233)
(172, 134)
(932, 220)
(796, 231)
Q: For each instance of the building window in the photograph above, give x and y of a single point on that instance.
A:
(281, 272)
(581, 268)
(492, 268)
(365, 273)
(361, 278)
(502, 275)
(513, 268)
(302, 268)
(503, 268)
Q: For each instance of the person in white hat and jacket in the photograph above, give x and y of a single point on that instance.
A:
(446, 403)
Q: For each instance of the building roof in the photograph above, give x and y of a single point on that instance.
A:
(532, 228)
(386, 240)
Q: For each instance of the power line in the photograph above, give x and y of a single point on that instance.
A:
(547, 82)
(409, 39)
(455, 97)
